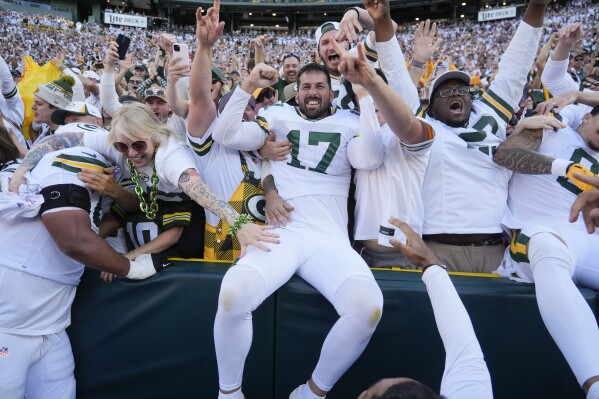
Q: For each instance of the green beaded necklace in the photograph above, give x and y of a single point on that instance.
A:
(150, 211)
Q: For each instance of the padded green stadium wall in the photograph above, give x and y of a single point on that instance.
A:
(154, 338)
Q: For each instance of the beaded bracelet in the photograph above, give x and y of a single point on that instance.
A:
(242, 219)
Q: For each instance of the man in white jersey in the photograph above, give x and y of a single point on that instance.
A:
(587, 203)
(314, 179)
(394, 188)
(232, 174)
(464, 192)
(545, 248)
(39, 277)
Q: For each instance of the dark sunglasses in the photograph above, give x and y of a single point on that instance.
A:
(589, 84)
(290, 54)
(135, 81)
(155, 92)
(138, 146)
(455, 90)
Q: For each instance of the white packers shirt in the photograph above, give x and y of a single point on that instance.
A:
(171, 159)
(545, 200)
(220, 167)
(342, 100)
(393, 189)
(464, 191)
(43, 305)
(323, 151)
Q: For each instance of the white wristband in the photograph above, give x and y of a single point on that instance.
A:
(559, 167)
(142, 267)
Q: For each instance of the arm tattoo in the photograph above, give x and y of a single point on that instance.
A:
(268, 184)
(519, 154)
(184, 177)
(194, 186)
(49, 144)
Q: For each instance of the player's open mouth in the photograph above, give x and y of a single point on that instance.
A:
(313, 103)
(455, 107)
(333, 57)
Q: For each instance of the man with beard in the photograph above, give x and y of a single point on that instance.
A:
(291, 65)
(330, 57)
(548, 250)
(314, 179)
(464, 192)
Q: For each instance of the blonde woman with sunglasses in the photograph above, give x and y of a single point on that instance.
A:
(160, 165)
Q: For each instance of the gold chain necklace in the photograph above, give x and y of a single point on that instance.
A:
(150, 211)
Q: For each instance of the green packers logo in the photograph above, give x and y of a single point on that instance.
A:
(254, 205)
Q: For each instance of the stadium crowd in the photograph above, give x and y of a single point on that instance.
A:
(467, 146)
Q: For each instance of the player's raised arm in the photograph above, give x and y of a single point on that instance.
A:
(230, 131)
(398, 115)
(202, 110)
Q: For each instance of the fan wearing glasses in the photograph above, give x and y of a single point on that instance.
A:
(158, 163)
(464, 192)
(133, 86)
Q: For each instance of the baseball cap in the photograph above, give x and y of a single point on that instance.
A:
(128, 99)
(218, 73)
(324, 28)
(289, 92)
(155, 91)
(91, 75)
(141, 66)
(257, 92)
(448, 75)
(225, 99)
(76, 108)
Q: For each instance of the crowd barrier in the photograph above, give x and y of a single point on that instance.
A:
(154, 338)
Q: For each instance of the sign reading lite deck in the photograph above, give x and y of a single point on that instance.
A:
(499, 13)
(125, 19)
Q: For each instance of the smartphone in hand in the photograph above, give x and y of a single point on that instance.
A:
(181, 53)
(123, 42)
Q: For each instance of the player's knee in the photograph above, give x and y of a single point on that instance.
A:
(361, 299)
(241, 292)
(547, 250)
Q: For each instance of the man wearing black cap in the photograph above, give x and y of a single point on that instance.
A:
(464, 191)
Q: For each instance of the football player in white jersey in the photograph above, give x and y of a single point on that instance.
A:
(232, 174)
(545, 248)
(39, 277)
(464, 192)
(587, 203)
(314, 179)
